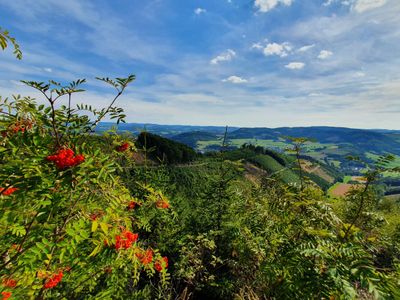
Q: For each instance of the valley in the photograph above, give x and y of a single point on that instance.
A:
(327, 147)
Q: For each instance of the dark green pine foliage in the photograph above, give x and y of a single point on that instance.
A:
(165, 150)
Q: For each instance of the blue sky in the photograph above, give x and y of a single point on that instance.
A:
(264, 63)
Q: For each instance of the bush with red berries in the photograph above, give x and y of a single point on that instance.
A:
(69, 228)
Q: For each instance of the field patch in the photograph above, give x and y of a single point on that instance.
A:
(316, 169)
(341, 189)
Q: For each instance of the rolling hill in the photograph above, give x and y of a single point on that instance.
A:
(329, 145)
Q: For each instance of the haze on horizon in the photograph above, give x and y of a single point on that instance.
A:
(250, 63)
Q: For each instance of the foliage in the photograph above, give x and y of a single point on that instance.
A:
(237, 240)
(80, 220)
(165, 150)
(5, 38)
(68, 225)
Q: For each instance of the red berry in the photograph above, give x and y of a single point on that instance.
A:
(123, 147)
(65, 158)
(7, 191)
(125, 240)
(6, 295)
(160, 264)
(146, 257)
(162, 204)
(8, 282)
(53, 281)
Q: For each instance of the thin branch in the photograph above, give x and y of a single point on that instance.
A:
(19, 250)
(359, 208)
(101, 116)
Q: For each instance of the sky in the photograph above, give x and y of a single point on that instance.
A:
(251, 63)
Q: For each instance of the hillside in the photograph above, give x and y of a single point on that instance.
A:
(165, 150)
(164, 130)
(375, 140)
(328, 145)
(184, 223)
(191, 138)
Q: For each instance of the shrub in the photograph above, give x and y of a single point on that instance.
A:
(67, 226)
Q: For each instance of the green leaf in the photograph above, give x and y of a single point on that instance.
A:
(104, 227)
(95, 224)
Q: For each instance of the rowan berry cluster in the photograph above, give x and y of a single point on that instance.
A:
(9, 282)
(162, 204)
(53, 280)
(161, 264)
(125, 240)
(132, 204)
(7, 191)
(66, 158)
(145, 257)
(123, 147)
(6, 295)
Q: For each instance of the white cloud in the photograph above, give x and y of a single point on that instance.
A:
(48, 70)
(225, 56)
(334, 87)
(266, 5)
(257, 46)
(199, 11)
(306, 48)
(328, 2)
(315, 94)
(295, 65)
(361, 6)
(235, 79)
(359, 74)
(281, 50)
(324, 54)
(358, 6)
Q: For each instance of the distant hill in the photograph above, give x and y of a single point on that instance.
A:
(191, 138)
(165, 150)
(360, 139)
(331, 145)
(376, 140)
(164, 130)
(283, 166)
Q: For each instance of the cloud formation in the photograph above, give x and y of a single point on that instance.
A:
(295, 65)
(257, 46)
(306, 48)
(235, 79)
(361, 6)
(281, 50)
(185, 77)
(266, 5)
(225, 56)
(199, 11)
(324, 54)
(358, 6)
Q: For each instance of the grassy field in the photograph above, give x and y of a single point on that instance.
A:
(264, 143)
(274, 168)
(316, 150)
(316, 169)
(202, 145)
(336, 163)
(346, 179)
(393, 197)
(393, 164)
(339, 189)
(310, 148)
